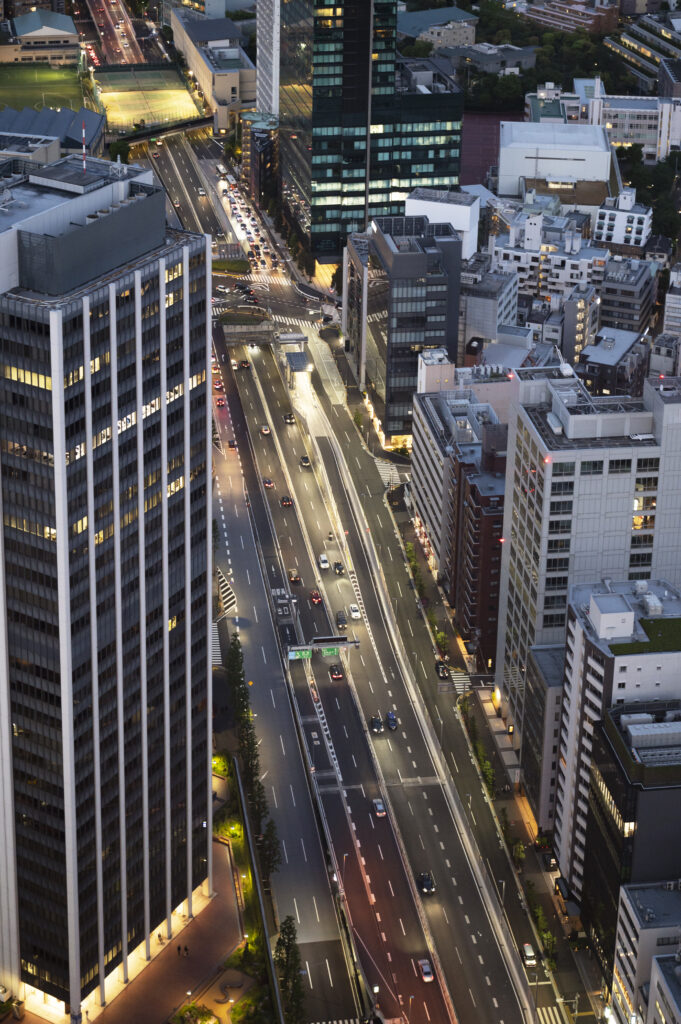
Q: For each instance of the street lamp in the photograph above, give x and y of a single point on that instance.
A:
(345, 857)
(411, 1000)
(502, 883)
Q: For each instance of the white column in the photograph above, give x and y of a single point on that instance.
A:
(141, 578)
(187, 574)
(94, 654)
(209, 568)
(65, 660)
(9, 900)
(118, 617)
(166, 610)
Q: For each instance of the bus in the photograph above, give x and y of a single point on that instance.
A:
(231, 181)
(222, 170)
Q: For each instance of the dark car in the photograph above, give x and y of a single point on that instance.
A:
(286, 501)
(341, 619)
(231, 444)
(336, 672)
(293, 576)
(220, 403)
(339, 568)
(315, 597)
(376, 725)
(305, 461)
(242, 287)
(426, 883)
(266, 482)
(327, 318)
(391, 720)
(244, 364)
(289, 418)
(442, 669)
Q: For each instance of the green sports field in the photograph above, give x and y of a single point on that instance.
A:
(155, 96)
(39, 86)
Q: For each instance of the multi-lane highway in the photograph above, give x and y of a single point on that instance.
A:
(118, 41)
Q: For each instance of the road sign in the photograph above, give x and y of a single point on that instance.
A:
(295, 654)
(329, 652)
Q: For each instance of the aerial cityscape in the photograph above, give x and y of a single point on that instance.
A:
(340, 473)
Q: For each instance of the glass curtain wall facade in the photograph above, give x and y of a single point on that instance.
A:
(104, 604)
(353, 140)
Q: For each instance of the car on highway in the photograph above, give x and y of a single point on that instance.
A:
(336, 672)
(266, 482)
(442, 669)
(289, 418)
(244, 364)
(294, 576)
(305, 461)
(222, 288)
(425, 970)
(379, 807)
(339, 568)
(263, 263)
(217, 384)
(391, 720)
(231, 444)
(355, 613)
(426, 883)
(285, 501)
(376, 724)
(220, 403)
(251, 300)
(323, 561)
(201, 191)
(327, 318)
(265, 430)
(176, 203)
(341, 619)
(241, 286)
(156, 154)
(315, 597)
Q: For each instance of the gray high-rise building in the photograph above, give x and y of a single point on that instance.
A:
(105, 706)
(592, 490)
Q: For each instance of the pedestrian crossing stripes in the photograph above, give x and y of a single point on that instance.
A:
(257, 276)
(227, 595)
(216, 654)
(387, 472)
(458, 681)
(292, 321)
(549, 1015)
(340, 1020)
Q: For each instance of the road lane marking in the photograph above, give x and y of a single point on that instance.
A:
(272, 696)
(380, 853)
(290, 786)
(255, 613)
(274, 797)
(283, 844)
(303, 846)
(402, 927)
(295, 907)
(329, 972)
(390, 886)
(314, 902)
(281, 740)
(264, 656)
(309, 976)
(472, 997)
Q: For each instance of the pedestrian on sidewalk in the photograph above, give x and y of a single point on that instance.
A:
(186, 950)
(179, 950)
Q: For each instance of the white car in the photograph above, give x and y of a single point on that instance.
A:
(265, 431)
(355, 613)
(425, 970)
(222, 288)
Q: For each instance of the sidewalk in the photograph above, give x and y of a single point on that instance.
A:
(155, 994)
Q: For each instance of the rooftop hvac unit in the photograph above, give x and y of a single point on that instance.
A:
(652, 604)
(554, 423)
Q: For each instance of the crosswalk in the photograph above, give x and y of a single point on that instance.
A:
(291, 321)
(549, 1015)
(342, 1020)
(388, 472)
(459, 682)
(257, 276)
(216, 653)
(227, 595)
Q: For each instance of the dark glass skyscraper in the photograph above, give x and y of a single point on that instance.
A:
(358, 130)
(105, 711)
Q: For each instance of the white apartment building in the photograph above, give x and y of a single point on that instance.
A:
(268, 22)
(648, 926)
(672, 302)
(488, 299)
(606, 622)
(549, 256)
(664, 995)
(593, 489)
(440, 206)
(621, 221)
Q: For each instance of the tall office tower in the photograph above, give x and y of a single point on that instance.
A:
(358, 126)
(593, 489)
(268, 21)
(105, 707)
(612, 654)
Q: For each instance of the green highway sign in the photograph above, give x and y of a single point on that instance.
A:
(329, 652)
(301, 652)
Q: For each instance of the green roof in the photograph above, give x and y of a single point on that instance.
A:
(663, 635)
(36, 20)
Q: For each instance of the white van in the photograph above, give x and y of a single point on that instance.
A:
(323, 562)
(529, 959)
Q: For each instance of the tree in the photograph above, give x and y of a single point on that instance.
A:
(270, 850)
(258, 804)
(287, 963)
(248, 752)
(119, 148)
(518, 853)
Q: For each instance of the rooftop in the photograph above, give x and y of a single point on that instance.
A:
(653, 904)
(576, 137)
(23, 143)
(436, 195)
(207, 30)
(551, 661)
(651, 609)
(612, 344)
(412, 23)
(34, 21)
(670, 969)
